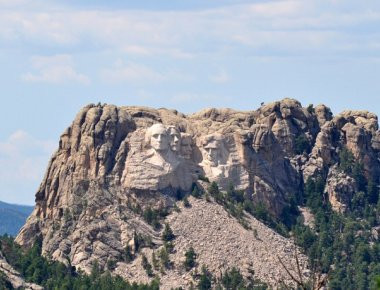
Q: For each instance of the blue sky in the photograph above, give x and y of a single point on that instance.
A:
(57, 56)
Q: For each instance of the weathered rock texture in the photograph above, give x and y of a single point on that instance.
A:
(113, 161)
(340, 188)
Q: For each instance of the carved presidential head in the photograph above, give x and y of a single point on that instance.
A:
(175, 138)
(212, 147)
(157, 137)
(186, 145)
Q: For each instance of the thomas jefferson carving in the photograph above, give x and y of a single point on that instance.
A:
(175, 139)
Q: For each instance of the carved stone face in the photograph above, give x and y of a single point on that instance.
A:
(212, 150)
(175, 139)
(186, 146)
(159, 139)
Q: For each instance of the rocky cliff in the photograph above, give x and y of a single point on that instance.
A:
(114, 163)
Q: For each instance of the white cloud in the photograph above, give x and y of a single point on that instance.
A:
(136, 73)
(288, 25)
(55, 69)
(151, 51)
(131, 72)
(19, 144)
(23, 161)
(276, 8)
(203, 99)
(220, 77)
(13, 3)
(137, 49)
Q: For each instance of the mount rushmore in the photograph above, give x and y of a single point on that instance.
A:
(166, 158)
(113, 163)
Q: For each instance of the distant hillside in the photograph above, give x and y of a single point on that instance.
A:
(13, 217)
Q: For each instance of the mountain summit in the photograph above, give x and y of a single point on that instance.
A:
(133, 186)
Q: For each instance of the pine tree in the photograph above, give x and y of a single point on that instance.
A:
(128, 256)
(155, 261)
(196, 191)
(164, 258)
(205, 280)
(213, 189)
(190, 257)
(167, 234)
(146, 265)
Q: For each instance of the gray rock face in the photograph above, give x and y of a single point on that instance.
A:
(107, 145)
(355, 130)
(114, 162)
(340, 189)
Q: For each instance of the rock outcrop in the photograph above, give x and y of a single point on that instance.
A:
(356, 131)
(112, 163)
(340, 188)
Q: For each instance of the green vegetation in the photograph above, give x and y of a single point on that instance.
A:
(233, 279)
(205, 280)
(153, 216)
(346, 160)
(367, 191)
(147, 266)
(140, 241)
(196, 192)
(377, 282)
(342, 245)
(310, 109)
(163, 254)
(352, 167)
(155, 262)
(190, 257)
(55, 275)
(111, 264)
(301, 145)
(236, 202)
(203, 178)
(229, 280)
(167, 234)
(4, 284)
(128, 256)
